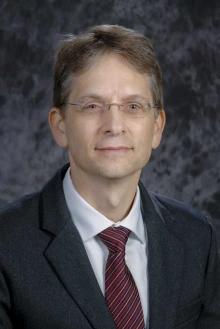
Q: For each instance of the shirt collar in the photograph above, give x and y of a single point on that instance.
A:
(89, 222)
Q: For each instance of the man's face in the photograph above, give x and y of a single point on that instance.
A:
(110, 145)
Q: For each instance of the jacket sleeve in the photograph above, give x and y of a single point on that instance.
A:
(210, 315)
(5, 308)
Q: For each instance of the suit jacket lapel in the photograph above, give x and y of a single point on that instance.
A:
(165, 262)
(67, 256)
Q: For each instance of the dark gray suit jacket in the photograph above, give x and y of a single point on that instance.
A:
(47, 282)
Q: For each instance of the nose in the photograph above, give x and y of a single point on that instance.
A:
(113, 120)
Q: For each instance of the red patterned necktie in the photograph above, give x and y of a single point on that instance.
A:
(121, 293)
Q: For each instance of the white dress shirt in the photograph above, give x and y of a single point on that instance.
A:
(89, 222)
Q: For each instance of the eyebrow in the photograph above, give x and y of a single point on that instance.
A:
(128, 97)
(93, 96)
(136, 97)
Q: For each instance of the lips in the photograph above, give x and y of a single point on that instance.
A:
(113, 148)
(110, 151)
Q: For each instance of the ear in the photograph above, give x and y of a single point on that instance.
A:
(159, 124)
(57, 126)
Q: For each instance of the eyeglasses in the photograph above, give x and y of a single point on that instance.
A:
(131, 109)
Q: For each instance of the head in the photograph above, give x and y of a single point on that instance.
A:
(117, 66)
(78, 53)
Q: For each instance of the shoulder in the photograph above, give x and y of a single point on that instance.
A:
(178, 216)
(21, 212)
(27, 214)
(186, 221)
(20, 205)
(29, 205)
(179, 208)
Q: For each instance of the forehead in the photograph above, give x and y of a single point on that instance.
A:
(111, 76)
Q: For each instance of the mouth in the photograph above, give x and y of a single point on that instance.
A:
(114, 150)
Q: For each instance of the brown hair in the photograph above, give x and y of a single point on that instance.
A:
(77, 53)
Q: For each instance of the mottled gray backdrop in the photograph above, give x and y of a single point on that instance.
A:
(186, 38)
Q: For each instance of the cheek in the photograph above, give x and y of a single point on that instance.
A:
(146, 134)
(80, 135)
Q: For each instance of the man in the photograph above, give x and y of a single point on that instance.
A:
(94, 248)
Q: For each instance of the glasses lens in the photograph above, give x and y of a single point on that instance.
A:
(134, 109)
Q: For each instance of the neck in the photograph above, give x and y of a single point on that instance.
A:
(113, 198)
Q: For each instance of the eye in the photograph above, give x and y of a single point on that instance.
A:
(133, 106)
(91, 106)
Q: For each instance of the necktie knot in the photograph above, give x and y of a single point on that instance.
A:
(115, 238)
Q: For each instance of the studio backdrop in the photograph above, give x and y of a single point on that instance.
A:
(185, 36)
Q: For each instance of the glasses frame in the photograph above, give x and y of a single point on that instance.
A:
(107, 106)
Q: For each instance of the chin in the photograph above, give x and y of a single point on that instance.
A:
(113, 173)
